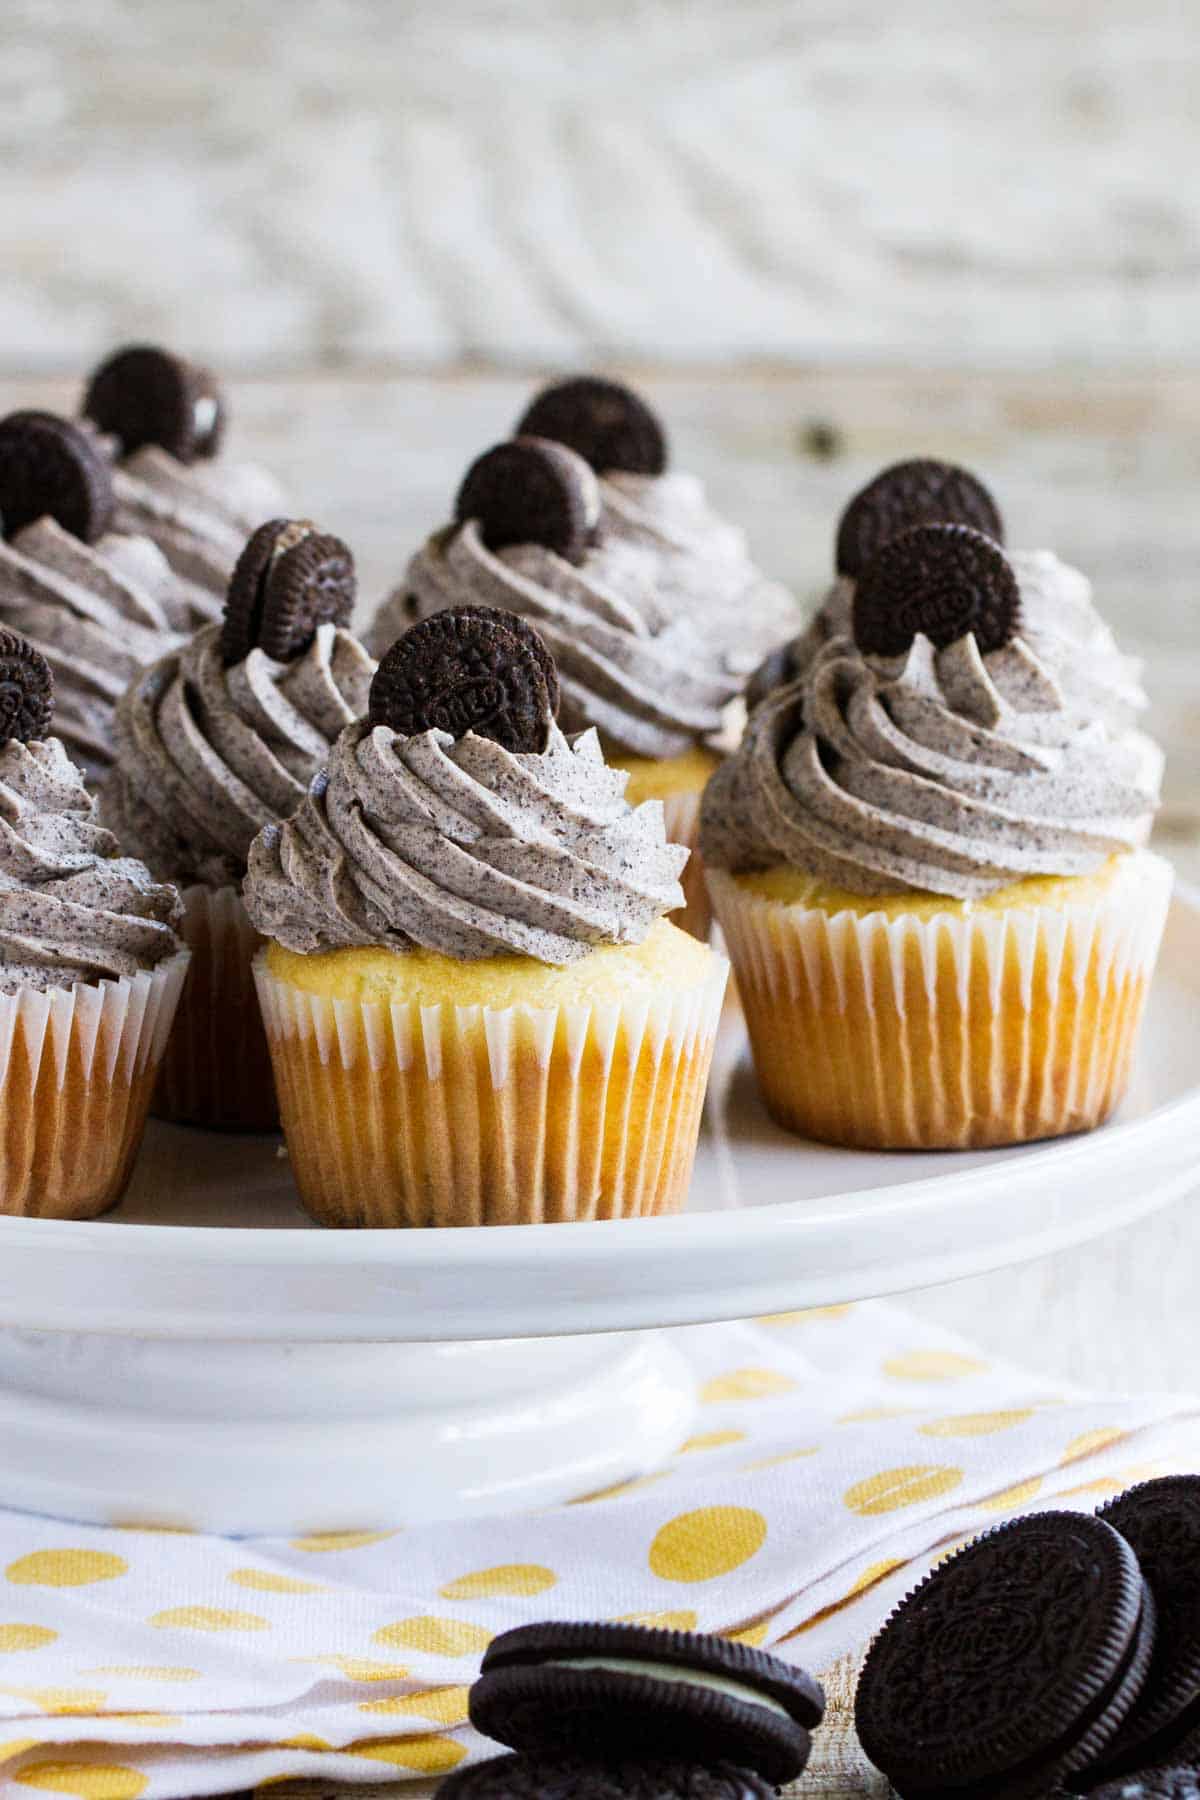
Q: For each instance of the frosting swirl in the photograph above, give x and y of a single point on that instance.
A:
(940, 772)
(465, 848)
(72, 907)
(208, 755)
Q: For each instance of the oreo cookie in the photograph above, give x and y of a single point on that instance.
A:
(26, 690)
(602, 421)
(49, 467)
(531, 491)
(1161, 1520)
(470, 668)
(920, 492)
(144, 395)
(942, 581)
(1013, 1666)
(533, 1778)
(625, 1692)
(289, 579)
(1174, 1783)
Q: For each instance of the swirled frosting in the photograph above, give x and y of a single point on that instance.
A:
(947, 773)
(654, 633)
(208, 755)
(72, 907)
(463, 847)
(98, 613)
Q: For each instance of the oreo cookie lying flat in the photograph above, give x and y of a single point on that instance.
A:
(941, 580)
(1161, 1520)
(530, 491)
(1175, 1783)
(1013, 1666)
(470, 668)
(26, 690)
(144, 395)
(920, 492)
(532, 1778)
(624, 1692)
(289, 579)
(49, 467)
(602, 421)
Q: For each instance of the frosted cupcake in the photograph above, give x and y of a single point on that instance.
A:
(214, 741)
(477, 1011)
(655, 613)
(163, 420)
(91, 968)
(928, 866)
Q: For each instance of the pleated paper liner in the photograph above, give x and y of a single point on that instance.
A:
(681, 816)
(955, 1031)
(77, 1067)
(217, 1069)
(401, 1114)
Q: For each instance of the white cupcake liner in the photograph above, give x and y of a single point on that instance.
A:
(400, 1114)
(681, 816)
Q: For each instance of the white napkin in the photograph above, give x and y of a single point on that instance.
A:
(838, 1454)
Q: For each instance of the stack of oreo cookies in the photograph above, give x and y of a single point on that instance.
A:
(603, 1711)
(1060, 1652)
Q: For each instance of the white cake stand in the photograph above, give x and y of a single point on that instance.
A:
(205, 1357)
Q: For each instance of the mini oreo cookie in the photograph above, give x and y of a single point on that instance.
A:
(289, 579)
(625, 1692)
(1013, 1665)
(26, 690)
(48, 466)
(606, 423)
(920, 492)
(941, 580)
(1161, 1520)
(1175, 1783)
(531, 491)
(533, 1778)
(144, 395)
(470, 668)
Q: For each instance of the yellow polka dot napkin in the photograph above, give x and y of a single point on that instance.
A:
(837, 1455)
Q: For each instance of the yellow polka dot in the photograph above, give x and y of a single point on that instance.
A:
(263, 1581)
(147, 1721)
(661, 1621)
(26, 1637)
(1013, 1497)
(146, 1672)
(895, 1488)
(359, 1668)
(86, 1781)
(783, 1456)
(973, 1425)
(436, 1637)
(429, 1755)
(1088, 1442)
(154, 1527)
(871, 1415)
(505, 1578)
(61, 1702)
(745, 1384)
(321, 1541)
(445, 1706)
(711, 1440)
(754, 1635)
(874, 1572)
(207, 1618)
(304, 1740)
(621, 1488)
(700, 1545)
(17, 1747)
(1101, 1484)
(811, 1315)
(65, 1568)
(932, 1365)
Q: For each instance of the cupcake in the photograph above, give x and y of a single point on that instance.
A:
(214, 741)
(163, 419)
(654, 612)
(91, 968)
(928, 865)
(477, 1011)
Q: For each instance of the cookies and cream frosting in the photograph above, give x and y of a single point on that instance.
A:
(465, 848)
(944, 772)
(207, 755)
(72, 907)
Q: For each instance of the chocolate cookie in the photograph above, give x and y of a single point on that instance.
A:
(1013, 1665)
(530, 491)
(602, 421)
(1161, 1520)
(49, 467)
(26, 690)
(613, 1691)
(532, 1778)
(941, 580)
(470, 668)
(289, 579)
(921, 492)
(143, 395)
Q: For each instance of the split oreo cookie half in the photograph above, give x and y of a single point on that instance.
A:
(144, 395)
(469, 668)
(605, 422)
(920, 492)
